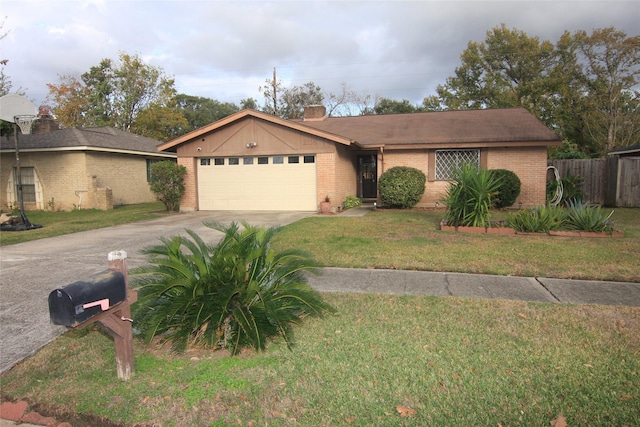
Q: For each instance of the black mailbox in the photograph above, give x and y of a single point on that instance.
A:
(80, 301)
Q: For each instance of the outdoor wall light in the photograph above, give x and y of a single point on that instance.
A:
(251, 144)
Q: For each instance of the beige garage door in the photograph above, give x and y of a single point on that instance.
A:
(257, 183)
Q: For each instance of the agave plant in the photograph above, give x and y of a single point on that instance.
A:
(235, 294)
(541, 219)
(582, 217)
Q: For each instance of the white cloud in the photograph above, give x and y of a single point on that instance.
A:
(226, 49)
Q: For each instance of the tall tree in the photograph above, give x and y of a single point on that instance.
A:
(248, 103)
(289, 103)
(581, 87)
(161, 123)
(296, 98)
(506, 70)
(200, 111)
(110, 94)
(69, 99)
(612, 70)
(392, 106)
(347, 102)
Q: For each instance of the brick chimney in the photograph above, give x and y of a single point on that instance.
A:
(45, 124)
(315, 113)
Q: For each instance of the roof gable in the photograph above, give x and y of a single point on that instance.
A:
(240, 115)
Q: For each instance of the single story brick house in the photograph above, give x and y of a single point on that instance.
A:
(256, 161)
(76, 168)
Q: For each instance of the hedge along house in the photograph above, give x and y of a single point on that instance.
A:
(78, 168)
(255, 161)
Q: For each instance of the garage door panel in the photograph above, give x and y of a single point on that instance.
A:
(257, 186)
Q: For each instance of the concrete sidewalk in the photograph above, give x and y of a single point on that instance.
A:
(400, 282)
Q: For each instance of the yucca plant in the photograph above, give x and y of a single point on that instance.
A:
(582, 217)
(235, 294)
(469, 197)
(542, 219)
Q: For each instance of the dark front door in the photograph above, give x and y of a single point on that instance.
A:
(368, 173)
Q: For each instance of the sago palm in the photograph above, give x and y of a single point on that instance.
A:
(237, 293)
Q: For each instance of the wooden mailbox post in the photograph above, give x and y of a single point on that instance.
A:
(116, 319)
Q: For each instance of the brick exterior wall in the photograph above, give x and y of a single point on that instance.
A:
(189, 201)
(528, 163)
(326, 178)
(125, 175)
(68, 180)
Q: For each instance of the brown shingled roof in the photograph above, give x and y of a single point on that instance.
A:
(466, 127)
(103, 139)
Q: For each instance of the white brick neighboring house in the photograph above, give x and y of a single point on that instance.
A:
(255, 161)
(78, 168)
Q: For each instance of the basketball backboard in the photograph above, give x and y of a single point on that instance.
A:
(13, 105)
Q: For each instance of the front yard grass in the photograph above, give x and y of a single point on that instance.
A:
(440, 361)
(411, 240)
(436, 360)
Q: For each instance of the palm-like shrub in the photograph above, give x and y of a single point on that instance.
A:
(401, 187)
(235, 294)
(470, 196)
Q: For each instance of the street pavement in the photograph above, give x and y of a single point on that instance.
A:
(30, 271)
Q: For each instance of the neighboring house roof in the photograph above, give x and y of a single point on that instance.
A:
(104, 139)
(632, 149)
(444, 129)
(490, 127)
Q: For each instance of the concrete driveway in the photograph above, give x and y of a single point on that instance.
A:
(30, 271)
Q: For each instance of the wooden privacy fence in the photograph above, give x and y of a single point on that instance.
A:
(612, 181)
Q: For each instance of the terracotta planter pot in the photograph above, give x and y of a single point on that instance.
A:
(325, 207)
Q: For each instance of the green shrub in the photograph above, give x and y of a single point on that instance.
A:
(351, 202)
(236, 294)
(508, 189)
(541, 220)
(167, 183)
(571, 187)
(470, 196)
(401, 187)
(582, 217)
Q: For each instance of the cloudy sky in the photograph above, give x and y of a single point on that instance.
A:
(226, 49)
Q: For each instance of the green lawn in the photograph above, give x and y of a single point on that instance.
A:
(412, 240)
(439, 360)
(59, 223)
(454, 361)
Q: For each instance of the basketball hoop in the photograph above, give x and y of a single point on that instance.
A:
(25, 122)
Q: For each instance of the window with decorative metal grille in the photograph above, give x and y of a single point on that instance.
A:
(27, 178)
(448, 160)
